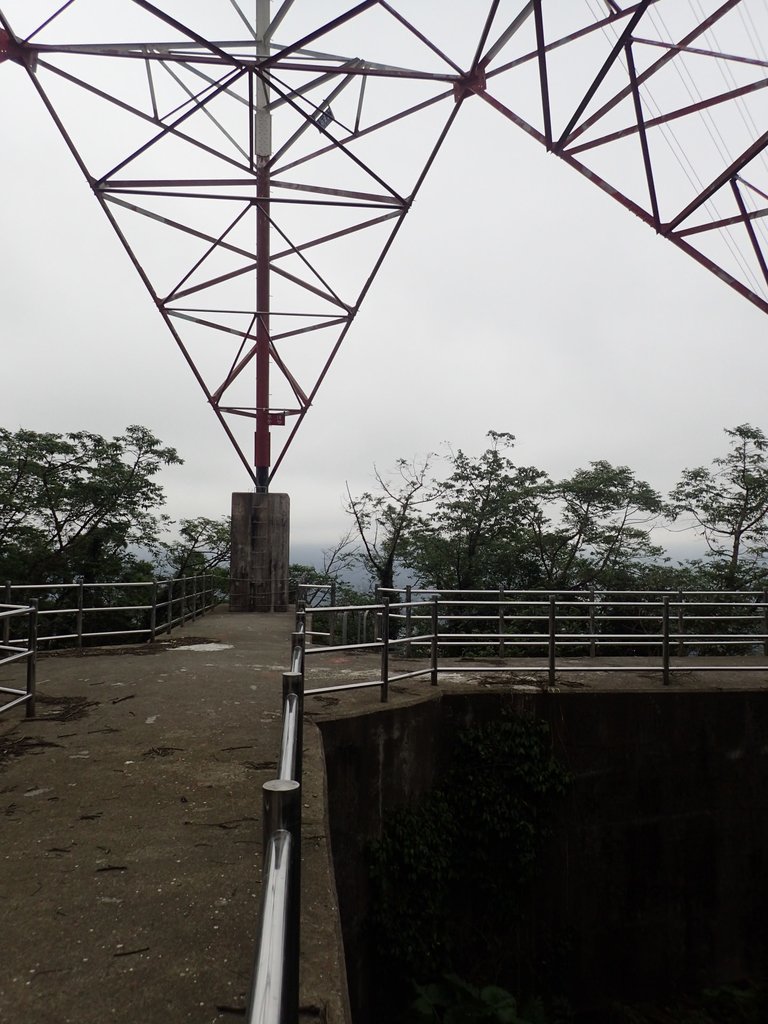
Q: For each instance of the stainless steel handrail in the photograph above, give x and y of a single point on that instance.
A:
(179, 600)
(576, 625)
(267, 1004)
(273, 996)
(16, 652)
(288, 748)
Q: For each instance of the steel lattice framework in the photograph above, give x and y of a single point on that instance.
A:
(257, 164)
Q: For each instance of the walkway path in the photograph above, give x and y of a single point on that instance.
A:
(131, 829)
(131, 822)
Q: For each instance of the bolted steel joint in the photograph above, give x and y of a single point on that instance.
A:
(472, 82)
(10, 49)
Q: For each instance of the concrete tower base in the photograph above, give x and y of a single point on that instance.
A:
(259, 560)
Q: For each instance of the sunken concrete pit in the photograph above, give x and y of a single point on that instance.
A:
(655, 875)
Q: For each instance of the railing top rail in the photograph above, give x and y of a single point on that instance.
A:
(297, 659)
(575, 593)
(109, 583)
(139, 583)
(287, 768)
(266, 1001)
(349, 608)
(671, 599)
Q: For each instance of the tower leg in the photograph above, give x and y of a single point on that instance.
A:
(259, 560)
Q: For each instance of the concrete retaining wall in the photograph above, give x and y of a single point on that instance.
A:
(656, 876)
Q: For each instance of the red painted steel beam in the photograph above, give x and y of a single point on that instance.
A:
(11, 50)
(263, 454)
(702, 27)
(266, 250)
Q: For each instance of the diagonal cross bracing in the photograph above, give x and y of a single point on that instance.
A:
(258, 172)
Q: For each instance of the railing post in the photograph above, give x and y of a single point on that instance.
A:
(194, 598)
(32, 658)
(592, 643)
(433, 644)
(153, 612)
(300, 619)
(408, 623)
(169, 624)
(344, 628)
(680, 624)
(500, 650)
(765, 623)
(79, 615)
(299, 635)
(7, 622)
(385, 651)
(332, 616)
(552, 640)
(665, 641)
(376, 618)
(183, 600)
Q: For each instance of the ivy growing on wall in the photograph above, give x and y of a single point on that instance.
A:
(448, 871)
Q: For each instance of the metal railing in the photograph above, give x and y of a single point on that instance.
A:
(549, 621)
(673, 628)
(20, 650)
(274, 992)
(316, 595)
(72, 608)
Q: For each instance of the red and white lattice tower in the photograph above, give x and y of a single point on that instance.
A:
(257, 160)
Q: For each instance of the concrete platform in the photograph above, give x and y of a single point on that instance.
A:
(131, 831)
(131, 819)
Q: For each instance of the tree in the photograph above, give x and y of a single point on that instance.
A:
(75, 504)
(383, 520)
(600, 533)
(203, 545)
(474, 535)
(728, 504)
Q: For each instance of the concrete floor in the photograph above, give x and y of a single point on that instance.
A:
(131, 808)
(131, 828)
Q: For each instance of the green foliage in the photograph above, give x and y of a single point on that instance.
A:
(484, 822)
(599, 536)
(452, 1000)
(492, 523)
(202, 546)
(728, 504)
(73, 504)
(489, 523)
(474, 533)
(455, 1001)
(308, 574)
(727, 1004)
(383, 520)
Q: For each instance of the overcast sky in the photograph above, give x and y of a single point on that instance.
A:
(517, 297)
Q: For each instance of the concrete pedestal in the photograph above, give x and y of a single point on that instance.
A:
(259, 560)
